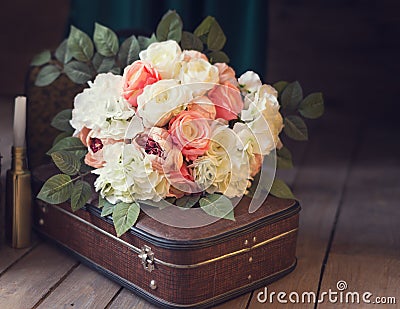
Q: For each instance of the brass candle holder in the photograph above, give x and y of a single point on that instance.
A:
(18, 200)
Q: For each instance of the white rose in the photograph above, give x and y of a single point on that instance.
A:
(161, 101)
(200, 73)
(249, 82)
(223, 140)
(164, 57)
(101, 107)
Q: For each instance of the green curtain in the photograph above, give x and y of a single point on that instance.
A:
(244, 22)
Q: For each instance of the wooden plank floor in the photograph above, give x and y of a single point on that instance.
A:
(348, 186)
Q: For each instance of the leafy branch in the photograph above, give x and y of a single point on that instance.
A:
(81, 58)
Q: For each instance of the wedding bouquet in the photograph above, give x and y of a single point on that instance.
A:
(175, 127)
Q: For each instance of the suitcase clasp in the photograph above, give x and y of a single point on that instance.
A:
(147, 258)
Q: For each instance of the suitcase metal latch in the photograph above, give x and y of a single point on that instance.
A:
(147, 258)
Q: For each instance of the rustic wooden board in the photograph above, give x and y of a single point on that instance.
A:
(127, 299)
(31, 278)
(318, 184)
(86, 289)
(366, 248)
(9, 256)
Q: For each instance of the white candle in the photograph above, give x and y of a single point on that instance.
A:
(19, 121)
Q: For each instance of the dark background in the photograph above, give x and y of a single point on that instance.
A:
(347, 49)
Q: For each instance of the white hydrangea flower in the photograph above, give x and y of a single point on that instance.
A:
(127, 175)
(101, 107)
(232, 170)
(161, 101)
(163, 56)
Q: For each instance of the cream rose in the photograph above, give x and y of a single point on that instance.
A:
(188, 55)
(161, 101)
(200, 74)
(163, 56)
(204, 171)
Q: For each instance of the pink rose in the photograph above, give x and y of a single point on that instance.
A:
(94, 157)
(191, 132)
(227, 100)
(203, 106)
(226, 74)
(182, 183)
(137, 76)
(193, 54)
(82, 135)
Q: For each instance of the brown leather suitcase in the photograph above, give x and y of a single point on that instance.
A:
(176, 267)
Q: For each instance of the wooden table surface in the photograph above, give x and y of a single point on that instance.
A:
(348, 181)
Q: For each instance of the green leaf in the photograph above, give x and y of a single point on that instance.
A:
(56, 189)
(103, 64)
(280, 86)
(291, 96)
(67, 162)
(61, 121)
(295, 128)
(144, 42)
(85, 168)
(129, 51)
(105, 40)
(280, 189)
(170, 27)
(81, 193)
(204, 28)
(116, 70)
(62, 53)
(47, 75)
(79, 45)
(217, 205)
(187, 201)
(284, 158)
(125, 216)
(72, 144)
(312, 106)
(190, 41)
(78, 72)
(107, 207)
(60, 136)
(41, 58)
(216, 38)
(218, 56)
